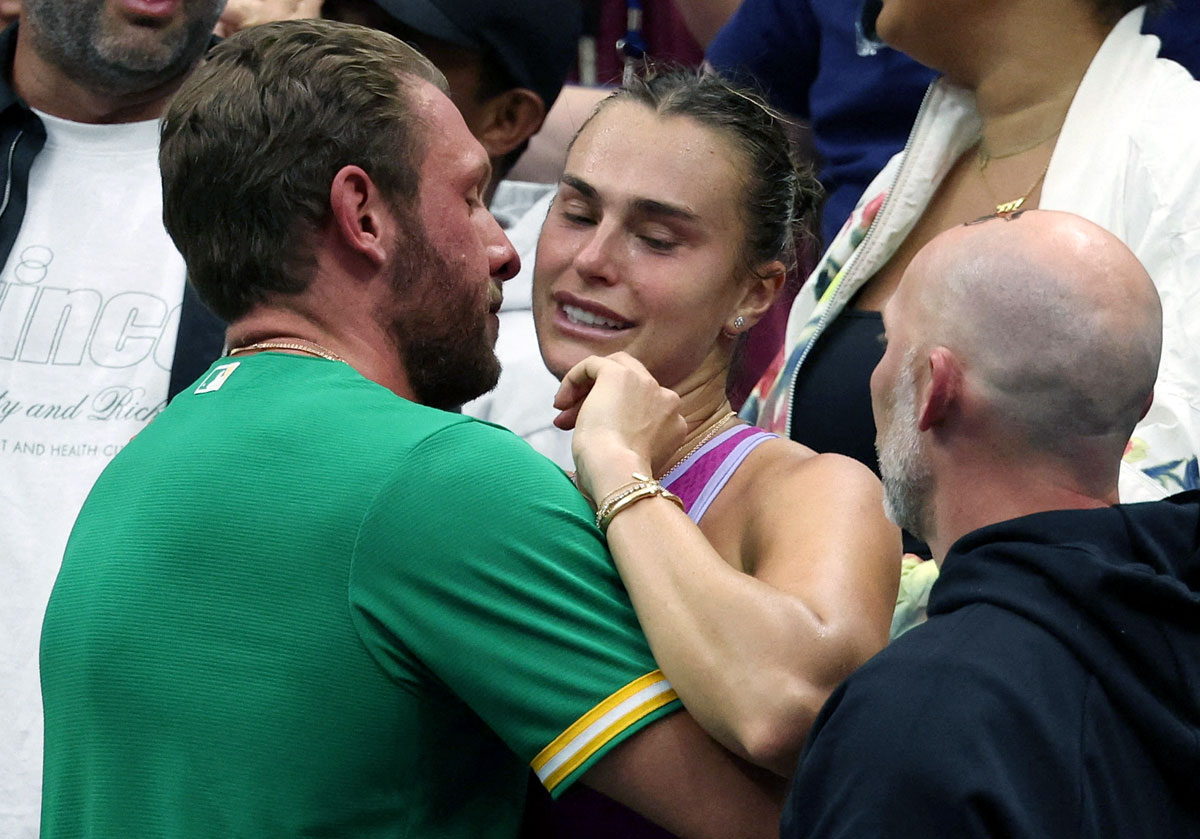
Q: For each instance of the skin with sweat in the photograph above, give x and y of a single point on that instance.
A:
(637, 291)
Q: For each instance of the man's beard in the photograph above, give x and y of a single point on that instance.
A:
(439, 324)
(907, 478)
(113, 57)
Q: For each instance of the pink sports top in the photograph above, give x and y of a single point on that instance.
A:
(699, 479)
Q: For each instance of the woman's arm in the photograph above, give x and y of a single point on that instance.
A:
(753, 655)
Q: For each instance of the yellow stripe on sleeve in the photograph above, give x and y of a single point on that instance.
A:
(600, 725)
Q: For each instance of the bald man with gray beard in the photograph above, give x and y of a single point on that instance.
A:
(1052, 690)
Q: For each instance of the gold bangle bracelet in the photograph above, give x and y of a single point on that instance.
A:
(639, 481)
(620, 492)
(649, 489)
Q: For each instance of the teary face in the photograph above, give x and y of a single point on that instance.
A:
(640, 250)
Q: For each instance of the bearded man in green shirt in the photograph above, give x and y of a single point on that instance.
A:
(307, 601)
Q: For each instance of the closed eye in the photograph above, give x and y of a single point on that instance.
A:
(657, 244)
(475, 197)
(578, 218)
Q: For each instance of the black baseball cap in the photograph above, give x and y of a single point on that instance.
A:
(535, 41)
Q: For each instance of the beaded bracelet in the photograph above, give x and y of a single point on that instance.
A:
(622, 497)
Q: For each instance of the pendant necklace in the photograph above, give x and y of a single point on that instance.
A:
(983, 157)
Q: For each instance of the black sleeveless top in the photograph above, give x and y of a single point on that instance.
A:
(831, 404)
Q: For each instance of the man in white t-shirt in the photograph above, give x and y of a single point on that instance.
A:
(505, 63)
(91, 301)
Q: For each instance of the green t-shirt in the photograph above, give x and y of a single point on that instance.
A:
(297, 604)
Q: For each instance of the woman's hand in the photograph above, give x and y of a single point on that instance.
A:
(624, 422)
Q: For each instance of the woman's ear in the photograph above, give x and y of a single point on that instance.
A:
(759, 293)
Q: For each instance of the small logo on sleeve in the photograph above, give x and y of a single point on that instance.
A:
(216, 377)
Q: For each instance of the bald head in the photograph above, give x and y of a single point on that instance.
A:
(1056, 323)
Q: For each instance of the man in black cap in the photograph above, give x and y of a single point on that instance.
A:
(505, 63)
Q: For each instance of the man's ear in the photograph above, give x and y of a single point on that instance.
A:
(760, 292)
(361, 216)
(943, 390)
(509, 119)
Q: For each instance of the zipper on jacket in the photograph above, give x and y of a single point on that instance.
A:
(9, 179)
(854, 257)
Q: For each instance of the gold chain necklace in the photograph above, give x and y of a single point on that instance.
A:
(297, 345)
(984, 157)
(712, 432)
(1005, 207)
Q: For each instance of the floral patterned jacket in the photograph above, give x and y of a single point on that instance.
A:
(1127, 159)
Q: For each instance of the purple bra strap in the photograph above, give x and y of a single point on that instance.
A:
(698, 481)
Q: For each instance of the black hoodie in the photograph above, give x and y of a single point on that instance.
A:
(1053, 692)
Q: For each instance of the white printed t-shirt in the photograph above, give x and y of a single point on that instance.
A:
(89, 311)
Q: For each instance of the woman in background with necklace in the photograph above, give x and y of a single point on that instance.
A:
(665, 243)
(1058, 104)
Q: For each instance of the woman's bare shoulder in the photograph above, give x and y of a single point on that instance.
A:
(785, 466)
(784, 490)
(812, 522)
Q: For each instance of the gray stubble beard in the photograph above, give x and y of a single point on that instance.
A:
(903, 467)
(106, 56)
